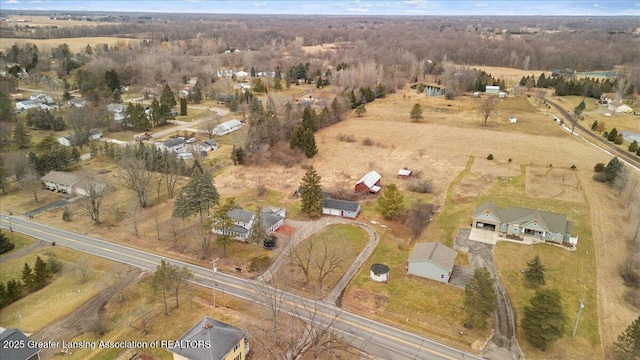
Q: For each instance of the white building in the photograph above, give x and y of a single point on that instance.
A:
(228, 127)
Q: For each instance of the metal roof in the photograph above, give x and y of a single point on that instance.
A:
(60, 177)
(15, 336)
(370, 179)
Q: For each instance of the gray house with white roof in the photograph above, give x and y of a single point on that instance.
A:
(433, 261)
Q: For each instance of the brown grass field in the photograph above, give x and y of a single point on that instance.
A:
(76, 45)
(449, 146)
(40, 21)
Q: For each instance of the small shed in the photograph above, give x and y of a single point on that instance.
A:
(476, 94)
(502, 95)
(513, 119)
(379, 273)
(343, 208)
(228, 126)
(404, 173)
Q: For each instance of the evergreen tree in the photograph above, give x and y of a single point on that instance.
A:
(613, 134)
(391, 202)
(7, 109)
(253, 72)
(200, 192)
(6, 244)
(258, 231)
(3, 295)
(416, 112)
(311, 193)
(361, 110)
(309, 119)
(594, 126)
(535, 272)
(480, 298)
(183, 106)
(628, 345)
(277, 84)
(161, 281)
(613, 169)
(181, 208)
(27, 277)
(167, 97)
(75, 155)
(197, 94)
(41, 273)
(633, 147)
(381, 90)
(222, 222)
(13, 290)
(21, 136)
(309, 143)
(543, 322)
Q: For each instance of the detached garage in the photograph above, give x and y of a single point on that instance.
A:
(343, 208)
(432, 261)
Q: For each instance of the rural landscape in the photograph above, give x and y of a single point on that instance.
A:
(236, 186)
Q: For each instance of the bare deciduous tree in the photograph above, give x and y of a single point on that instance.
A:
(96, 193)
(30, 181)
(319, 258)
(136, 177)
(209, 125)
(488, 107)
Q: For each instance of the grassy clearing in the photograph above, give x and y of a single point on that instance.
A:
(194, 114)
(348, 240)
(63, 295)
(20, 241)
(76, 45)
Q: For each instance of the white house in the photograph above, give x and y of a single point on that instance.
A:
(242, 74)
(119, 112)
(49, 106)
(176, 145)
(432, 261)
(492, 90)
(228, 127)
(65, 182)
(43, 98)
(27, 104)
(272, 220)
(207, 145)
(70, 139)
(77, 102)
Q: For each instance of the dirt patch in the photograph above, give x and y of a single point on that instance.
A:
(86, 318)
(553, 183)
(365, 301)
(470, 186)
(495, 167)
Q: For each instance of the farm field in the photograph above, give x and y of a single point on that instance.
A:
(531, 167)
(39, 21)
(76, 45)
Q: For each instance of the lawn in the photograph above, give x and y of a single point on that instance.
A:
(345, 241)
(20, 241)
(63, 295)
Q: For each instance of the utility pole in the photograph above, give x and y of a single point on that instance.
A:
(215, 284)
(578, 319)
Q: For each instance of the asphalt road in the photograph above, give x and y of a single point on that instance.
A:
(372, 337)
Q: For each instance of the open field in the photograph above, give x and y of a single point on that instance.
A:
(76, 45)
(450, 147)
(511, 76)
(40, 21)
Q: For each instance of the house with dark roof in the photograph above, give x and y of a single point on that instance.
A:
(177, 145)
(432, 261)
(519, 223)
(369, 183)
(215, 341)
(272, 220)
(28, 350)
(344, 208)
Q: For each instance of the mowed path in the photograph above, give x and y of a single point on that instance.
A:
(614, 314)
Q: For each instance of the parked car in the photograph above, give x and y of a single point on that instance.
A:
(191, 140)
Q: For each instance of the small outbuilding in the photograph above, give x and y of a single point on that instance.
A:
(228, 127)
(379, 273)
(404, 173)
(433, 261)
(343, 208)
(369, 183)
(513, 119)
(492, 89)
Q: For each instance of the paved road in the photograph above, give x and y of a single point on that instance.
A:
(372, 337)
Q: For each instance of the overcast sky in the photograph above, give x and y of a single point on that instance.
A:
(335, 7)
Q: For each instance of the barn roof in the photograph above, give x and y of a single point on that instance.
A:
(370, 179)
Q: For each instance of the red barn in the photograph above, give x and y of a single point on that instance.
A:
(369, 183)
